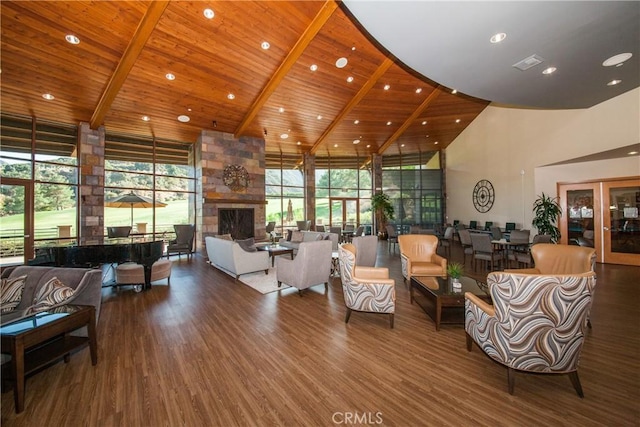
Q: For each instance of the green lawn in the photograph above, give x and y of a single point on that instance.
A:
(175, 212)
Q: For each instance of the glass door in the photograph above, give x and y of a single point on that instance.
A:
(16, 219)
(344, 211)
(621, 225)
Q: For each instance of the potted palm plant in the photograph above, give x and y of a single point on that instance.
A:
(455, 271)
(383, 210)
(547, 212)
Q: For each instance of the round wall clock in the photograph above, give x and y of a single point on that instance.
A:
(236, 177)
(483, 196)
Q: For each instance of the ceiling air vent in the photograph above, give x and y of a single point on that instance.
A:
(528, 62)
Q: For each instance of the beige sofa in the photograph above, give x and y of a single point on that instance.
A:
(311, 236)
(227, 255)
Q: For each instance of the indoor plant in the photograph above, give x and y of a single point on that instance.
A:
(546, 212)
(383, 210)
(455, 270)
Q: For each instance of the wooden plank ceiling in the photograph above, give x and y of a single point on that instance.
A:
(117, 74)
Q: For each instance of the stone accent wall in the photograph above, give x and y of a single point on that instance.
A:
(214, 151)
(310, 188)
(91, 197)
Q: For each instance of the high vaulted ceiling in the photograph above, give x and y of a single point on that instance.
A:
(116, 75)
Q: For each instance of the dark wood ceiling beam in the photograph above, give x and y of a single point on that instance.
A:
(318, 22)
(429, 99)
(388, 62)
(137, 43)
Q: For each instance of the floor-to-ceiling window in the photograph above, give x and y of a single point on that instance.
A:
(284, 189)
(160, 173)
(343, 191)
(40, 158)
(414, 184)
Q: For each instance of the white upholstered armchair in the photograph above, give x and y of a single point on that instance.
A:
(311, 266)
(366, 289)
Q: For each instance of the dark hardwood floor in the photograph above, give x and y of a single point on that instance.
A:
(208, 351)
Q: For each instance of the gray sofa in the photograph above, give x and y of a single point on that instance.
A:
(311, 236)
(87, 283)
(227, 255)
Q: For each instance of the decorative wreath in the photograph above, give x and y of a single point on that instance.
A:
(236, 177)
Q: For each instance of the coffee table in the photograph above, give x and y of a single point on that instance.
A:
(36, 341)
(275, 250)
(441, 301)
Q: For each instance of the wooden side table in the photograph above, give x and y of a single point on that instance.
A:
(37, 340)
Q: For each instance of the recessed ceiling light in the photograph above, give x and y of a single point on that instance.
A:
(170, 76)
(48, 96)
(184, 119)
(208, 13)
(265, 45)
(617, 60)
(497, 38)
(457, 120)
(454, 91)
(298, 143)
(424, 122)
(335, 145)
(368, 145)
(145, 118)
(356, 121)
(350, 79)
(388, 123)
(188, 109)
(341, 62)
(313, 67)
(549, 70)
(419, 90)
(284, 136)
(356, 141)
(435, 143)
(387, 87)
(319, 117)
(426, 136)
(72, 39)
(231, 96)
(281, 110)
(401, 145)
(614, 82)
(353, 48)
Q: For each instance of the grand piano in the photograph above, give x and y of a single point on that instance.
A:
(92, 256)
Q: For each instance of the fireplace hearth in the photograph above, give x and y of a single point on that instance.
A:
(238, 222)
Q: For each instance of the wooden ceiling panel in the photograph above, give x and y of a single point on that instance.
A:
(212, 58)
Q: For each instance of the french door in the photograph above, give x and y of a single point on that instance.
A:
(344, 211)
(603, 215)
(16, 237)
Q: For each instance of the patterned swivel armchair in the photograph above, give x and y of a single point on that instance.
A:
(366, 289)
(419, 258)
(536, 324)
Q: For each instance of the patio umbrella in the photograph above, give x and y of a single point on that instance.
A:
(132, 200)
(289, 216)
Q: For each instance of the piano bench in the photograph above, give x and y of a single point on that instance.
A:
(130, 273)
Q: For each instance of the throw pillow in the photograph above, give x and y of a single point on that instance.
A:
(11, 293)
(248, 245)
(289, 234)
(327, 237)
(52, 293)
(319, 237)
(297, 237)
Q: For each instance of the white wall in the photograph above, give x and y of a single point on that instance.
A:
(510, 147)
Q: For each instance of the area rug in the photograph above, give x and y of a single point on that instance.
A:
(263, 283)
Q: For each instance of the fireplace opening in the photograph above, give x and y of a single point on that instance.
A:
(237, 222)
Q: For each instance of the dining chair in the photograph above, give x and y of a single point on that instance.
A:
(447, 240)
(392, 237)
(496, 233)
(465, 241)
(484, 250)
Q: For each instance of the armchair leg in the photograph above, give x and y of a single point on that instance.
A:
(279, 283)
(575, 380)
(346, 319)
(469, 341)
(511, 379)
(391, 320)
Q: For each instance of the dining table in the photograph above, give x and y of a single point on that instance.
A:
(507, 245)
